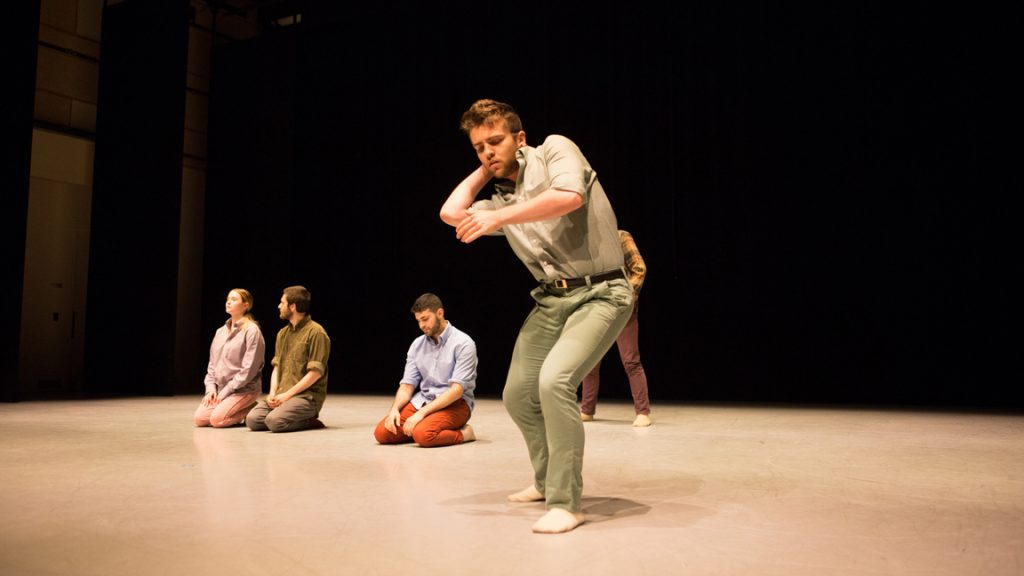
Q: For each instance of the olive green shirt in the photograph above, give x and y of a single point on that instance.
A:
(298, 350)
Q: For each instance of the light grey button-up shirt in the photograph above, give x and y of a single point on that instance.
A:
(580, 243)
(236, 360)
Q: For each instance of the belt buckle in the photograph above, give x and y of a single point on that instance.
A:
(561, 283)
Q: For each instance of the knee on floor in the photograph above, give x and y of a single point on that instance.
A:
(424, 438)
(276, 423)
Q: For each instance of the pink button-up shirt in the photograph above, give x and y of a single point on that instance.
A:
(236, 360)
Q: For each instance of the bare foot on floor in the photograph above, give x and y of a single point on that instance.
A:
(557, 521)
(467, 433)
(530, 494)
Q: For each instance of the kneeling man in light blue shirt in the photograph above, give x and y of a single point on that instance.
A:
(435, 397)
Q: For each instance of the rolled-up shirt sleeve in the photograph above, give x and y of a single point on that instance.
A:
(566, 167)
(634, 262)
(319, 352)
(411, 375)
(464, 372)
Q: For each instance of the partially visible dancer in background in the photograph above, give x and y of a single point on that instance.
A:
(628, 344)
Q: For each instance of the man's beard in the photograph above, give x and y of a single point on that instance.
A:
(436, 330)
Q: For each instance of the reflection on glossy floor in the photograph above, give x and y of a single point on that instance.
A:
(128, 486)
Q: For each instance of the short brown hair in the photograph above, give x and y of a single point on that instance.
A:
(299, 296)
(427, 301)
(485, 112)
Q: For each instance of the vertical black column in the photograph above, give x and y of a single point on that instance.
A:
(133, 260)
(21, 42)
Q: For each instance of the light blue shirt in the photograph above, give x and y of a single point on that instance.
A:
(432, 368)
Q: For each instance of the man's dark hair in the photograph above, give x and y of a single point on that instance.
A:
(427, 301)
(485, 112)
(299, 296)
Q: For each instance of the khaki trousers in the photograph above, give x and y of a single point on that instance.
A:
(561, 340)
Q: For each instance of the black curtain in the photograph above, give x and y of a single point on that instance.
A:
(133, 254)
(22, 42)
(799, 182)
(255, 221)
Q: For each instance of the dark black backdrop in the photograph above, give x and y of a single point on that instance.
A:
(802, 184)
(136, 200)
(22, 42)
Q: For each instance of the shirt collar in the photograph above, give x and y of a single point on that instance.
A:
(302, 323)
(522, 156)
(443, 338)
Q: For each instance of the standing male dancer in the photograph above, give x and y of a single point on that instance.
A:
(558, 221)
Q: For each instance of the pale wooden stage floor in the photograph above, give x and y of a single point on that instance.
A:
(128, 486)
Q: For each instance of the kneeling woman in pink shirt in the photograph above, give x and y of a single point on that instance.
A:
(234, 375)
